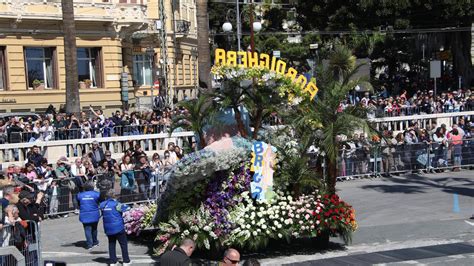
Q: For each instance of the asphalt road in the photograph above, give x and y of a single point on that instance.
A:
(405, 212)
(63, 240)
(398, 213)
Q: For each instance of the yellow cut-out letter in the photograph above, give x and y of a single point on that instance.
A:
(280, 67)
(220, 57)
(243, 58)
(231, 58)
(301, 81)
(292, 73)
(273, 64)
(265, 61)
(312, 89)
(252, 59)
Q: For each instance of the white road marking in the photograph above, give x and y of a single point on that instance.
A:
(471, 223)
(143, 261)
(358, 249)
(59, 254)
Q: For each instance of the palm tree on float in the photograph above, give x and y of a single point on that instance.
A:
(199, 113)
(73, 104)
(323, 116)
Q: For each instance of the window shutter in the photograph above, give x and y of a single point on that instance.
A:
(98, 68)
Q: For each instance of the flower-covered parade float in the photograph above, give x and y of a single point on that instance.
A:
(257, 187)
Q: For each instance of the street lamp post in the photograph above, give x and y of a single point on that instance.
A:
(256, 26)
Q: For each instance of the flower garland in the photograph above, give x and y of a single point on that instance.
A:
(261, 77)
(252, 225)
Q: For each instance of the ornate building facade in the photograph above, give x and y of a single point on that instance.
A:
(119, 56)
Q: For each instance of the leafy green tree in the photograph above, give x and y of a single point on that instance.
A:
(199, 113)
(323, 117)
(232, 95)
(260, 101)
(344, 15)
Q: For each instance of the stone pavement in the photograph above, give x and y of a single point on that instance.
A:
(414, 215)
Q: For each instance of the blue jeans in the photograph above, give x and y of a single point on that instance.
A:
(122, 239)
(90, 231)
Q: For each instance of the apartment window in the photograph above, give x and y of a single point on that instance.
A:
(142, 69)
(40, 66)
(89, 66)
(3, 70)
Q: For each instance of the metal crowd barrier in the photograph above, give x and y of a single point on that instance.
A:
(415, 110)
(68, 134)
(378, 159)
(138, 187)
(25, 239)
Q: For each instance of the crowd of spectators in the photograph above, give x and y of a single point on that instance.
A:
(434, 148)
(54, 185)
(91, 124)
(420, 102)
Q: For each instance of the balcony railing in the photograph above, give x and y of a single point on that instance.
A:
(182, 27)
(85, 10)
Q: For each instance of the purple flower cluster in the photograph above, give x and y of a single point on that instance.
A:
(133, 220)
(221, 196)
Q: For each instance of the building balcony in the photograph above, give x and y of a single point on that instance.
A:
(113, 11)
(182, 28)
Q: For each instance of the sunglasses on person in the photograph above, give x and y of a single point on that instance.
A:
(232, 261)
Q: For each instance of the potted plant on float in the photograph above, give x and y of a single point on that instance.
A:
(82, 85)
(88, 83)
(38, 84)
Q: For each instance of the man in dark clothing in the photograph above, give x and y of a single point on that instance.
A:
(117, 120)
(137, 153)
(60, 124)
(14, 132)
(28, 208)
(179, 255)
(111, 162)
(97, 153)
(35, 157)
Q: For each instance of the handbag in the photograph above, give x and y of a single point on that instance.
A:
(422, 159)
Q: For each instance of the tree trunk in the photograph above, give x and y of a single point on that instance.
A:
(202, 140)
(258, 122)
(240, 123)
(461, 51)
(204, 56)
(332, 174)
(73, 103)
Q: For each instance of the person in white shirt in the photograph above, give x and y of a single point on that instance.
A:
(10, 222)
(79, 172)
(46, 131)
(53, 192)
(365, 100)
(173, 157)
(98, 114)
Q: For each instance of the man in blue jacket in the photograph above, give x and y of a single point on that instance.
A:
(89, 214)
(114, 226)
